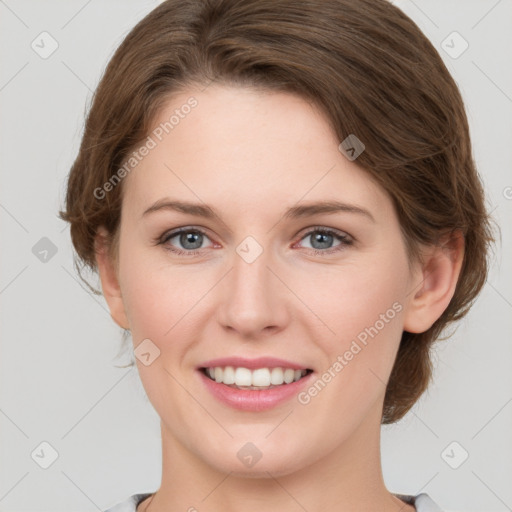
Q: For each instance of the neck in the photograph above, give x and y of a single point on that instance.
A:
(349, 478)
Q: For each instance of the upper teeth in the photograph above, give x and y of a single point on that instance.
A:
(261, 377)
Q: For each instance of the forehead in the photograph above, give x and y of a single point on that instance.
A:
(246, 149)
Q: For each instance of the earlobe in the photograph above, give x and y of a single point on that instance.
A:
(435, 282)
(109, 279)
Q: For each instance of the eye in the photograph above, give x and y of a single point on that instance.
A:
(321, 240)
(189, 241)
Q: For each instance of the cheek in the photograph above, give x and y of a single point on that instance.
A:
(159, 299)
(357, 301)
(363, 308)
(366, 313)
(160, 305)
(349, 300)
(159, 302)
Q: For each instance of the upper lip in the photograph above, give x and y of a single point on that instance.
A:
(259, 362)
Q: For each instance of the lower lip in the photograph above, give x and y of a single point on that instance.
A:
(254, 399)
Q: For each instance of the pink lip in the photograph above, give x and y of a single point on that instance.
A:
(252, 364)
(252, 399)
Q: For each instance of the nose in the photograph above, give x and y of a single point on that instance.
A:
(254, 302)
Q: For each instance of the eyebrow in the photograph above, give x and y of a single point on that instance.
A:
(295, 212)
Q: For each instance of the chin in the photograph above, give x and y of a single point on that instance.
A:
(268, 462)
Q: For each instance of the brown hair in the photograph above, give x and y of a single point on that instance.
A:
(364, 63)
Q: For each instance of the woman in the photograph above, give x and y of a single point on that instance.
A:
(282, 205)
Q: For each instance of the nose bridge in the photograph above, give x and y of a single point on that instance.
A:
(253, 297)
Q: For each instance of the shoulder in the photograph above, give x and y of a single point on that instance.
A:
(422, 502)
(130, 504)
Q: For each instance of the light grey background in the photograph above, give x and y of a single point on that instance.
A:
(58, 382)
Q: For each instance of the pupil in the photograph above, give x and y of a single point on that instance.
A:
(319, 240)
(324, 239)
(192, 238)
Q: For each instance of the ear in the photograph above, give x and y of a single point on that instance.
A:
(435, 280)
(109, 279)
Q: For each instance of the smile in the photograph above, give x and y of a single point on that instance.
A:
(254, 385)
(257, 379)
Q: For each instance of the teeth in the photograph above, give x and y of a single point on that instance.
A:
(288, 375)
(254, 379)
(243, 377)
(276, 377)
(260, 377)
(229, 375)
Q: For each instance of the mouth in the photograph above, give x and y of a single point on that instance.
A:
(257, 379)
(253, 385)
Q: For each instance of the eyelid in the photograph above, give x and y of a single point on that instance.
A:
(174, 232)
(305, 231)
(324, 229)
(345, 238)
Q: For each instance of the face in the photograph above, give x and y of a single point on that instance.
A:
(255, 276)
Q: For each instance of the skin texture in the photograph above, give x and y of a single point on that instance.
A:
(251, 155)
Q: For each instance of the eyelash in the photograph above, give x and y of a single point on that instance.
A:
(345, 240)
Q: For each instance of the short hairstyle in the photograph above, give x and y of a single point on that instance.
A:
(370, 70)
